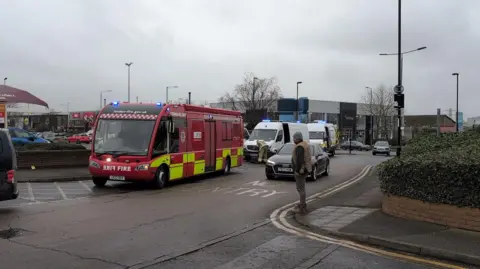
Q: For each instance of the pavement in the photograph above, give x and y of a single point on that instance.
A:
(355, 214)
(53, 174)
(217, 221)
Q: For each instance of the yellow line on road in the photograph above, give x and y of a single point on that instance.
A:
(278, 218)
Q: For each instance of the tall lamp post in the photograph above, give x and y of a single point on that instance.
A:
(101, 97)
(456, 114)
(128, 67)
(68, 113)
(168, 87)
(5, 81)
(297, 116)
(399, 97)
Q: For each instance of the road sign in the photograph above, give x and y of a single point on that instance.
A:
(398, 89)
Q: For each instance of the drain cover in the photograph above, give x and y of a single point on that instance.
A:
(11, 232)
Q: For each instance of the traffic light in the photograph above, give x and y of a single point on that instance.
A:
(400, 100)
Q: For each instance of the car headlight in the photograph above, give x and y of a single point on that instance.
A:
(142, 167)
(270, 163)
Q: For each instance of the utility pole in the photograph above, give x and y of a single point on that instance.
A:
(189, 98)
(128, 66)
(101, 97)
(5, 81)
(297, 116)
(456, 114)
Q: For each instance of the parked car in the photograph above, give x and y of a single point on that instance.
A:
(355, 145)
(22, 137)
(80, 138)
(381, 147)
(280, 165)
(8, 166)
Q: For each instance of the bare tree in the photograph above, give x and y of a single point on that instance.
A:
(379, 103)
(252, 94)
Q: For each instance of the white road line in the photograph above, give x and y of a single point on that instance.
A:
(85, 186)
(279, 219)
(30, 192)
(62, 193)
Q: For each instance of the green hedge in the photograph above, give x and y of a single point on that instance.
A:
(437, 169)
(49, 146)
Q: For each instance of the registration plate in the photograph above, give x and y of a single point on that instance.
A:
(117, 177)
(282, 169)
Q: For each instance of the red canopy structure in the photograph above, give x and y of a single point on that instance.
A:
(13, 95)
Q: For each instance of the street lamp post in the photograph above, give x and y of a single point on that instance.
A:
(5, 81)
(254, 90)
(101, 96)
(128, 67)
(456, 114)
(399, 88)
(173, 87)
(297, 116)
(68, 113)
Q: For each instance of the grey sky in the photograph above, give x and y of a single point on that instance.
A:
(69, 50)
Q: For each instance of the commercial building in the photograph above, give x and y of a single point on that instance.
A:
(352, 119)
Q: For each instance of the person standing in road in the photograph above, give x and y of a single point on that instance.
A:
(302, 166)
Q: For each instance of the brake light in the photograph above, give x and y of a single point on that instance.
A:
(11, 176)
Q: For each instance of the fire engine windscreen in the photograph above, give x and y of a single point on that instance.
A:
(125, 137)
(263, 134)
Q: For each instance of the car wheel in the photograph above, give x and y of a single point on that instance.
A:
(161, 177)
(374, 153)
(313, 176)
(270, 176)
(327, 169)
(99, 182)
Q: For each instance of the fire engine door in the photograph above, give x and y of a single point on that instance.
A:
(210, 146)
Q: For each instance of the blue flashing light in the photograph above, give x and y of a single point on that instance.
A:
(116, 103)
(298, 121)
(266, 120)
(159, 104)
(168, 109)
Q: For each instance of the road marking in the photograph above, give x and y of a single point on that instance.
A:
(85, 186)
(278, 218)
(62, 193)
(30, 192)
(265, 253)
(257, 183)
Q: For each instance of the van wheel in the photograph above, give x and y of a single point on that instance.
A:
(161, 177)
(99, 181)
(228, 166)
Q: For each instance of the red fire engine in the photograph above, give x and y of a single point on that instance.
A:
(158, 143)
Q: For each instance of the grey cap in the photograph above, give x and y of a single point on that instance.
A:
(297, 136)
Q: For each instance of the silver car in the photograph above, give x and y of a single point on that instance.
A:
(381, 147)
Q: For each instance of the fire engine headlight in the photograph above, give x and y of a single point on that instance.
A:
(142, 167)
(108, 159)
(94, 164)
(271, 163)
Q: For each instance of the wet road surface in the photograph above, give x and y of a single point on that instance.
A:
(221, 221)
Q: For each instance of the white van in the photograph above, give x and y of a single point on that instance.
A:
(324, 134)
(275, 134)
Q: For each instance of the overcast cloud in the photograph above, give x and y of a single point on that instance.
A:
(70, 50)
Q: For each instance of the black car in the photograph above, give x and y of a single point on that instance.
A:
(381, 147)
(8, 166)
(354, 145)
(280, 165)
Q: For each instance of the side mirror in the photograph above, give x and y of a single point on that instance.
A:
(275, 151)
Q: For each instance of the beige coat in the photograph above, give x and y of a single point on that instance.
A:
(308, 157)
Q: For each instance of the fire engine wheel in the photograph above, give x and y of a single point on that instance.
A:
(228, 167)
(161, 178)
(78, 141)
(99, 182)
